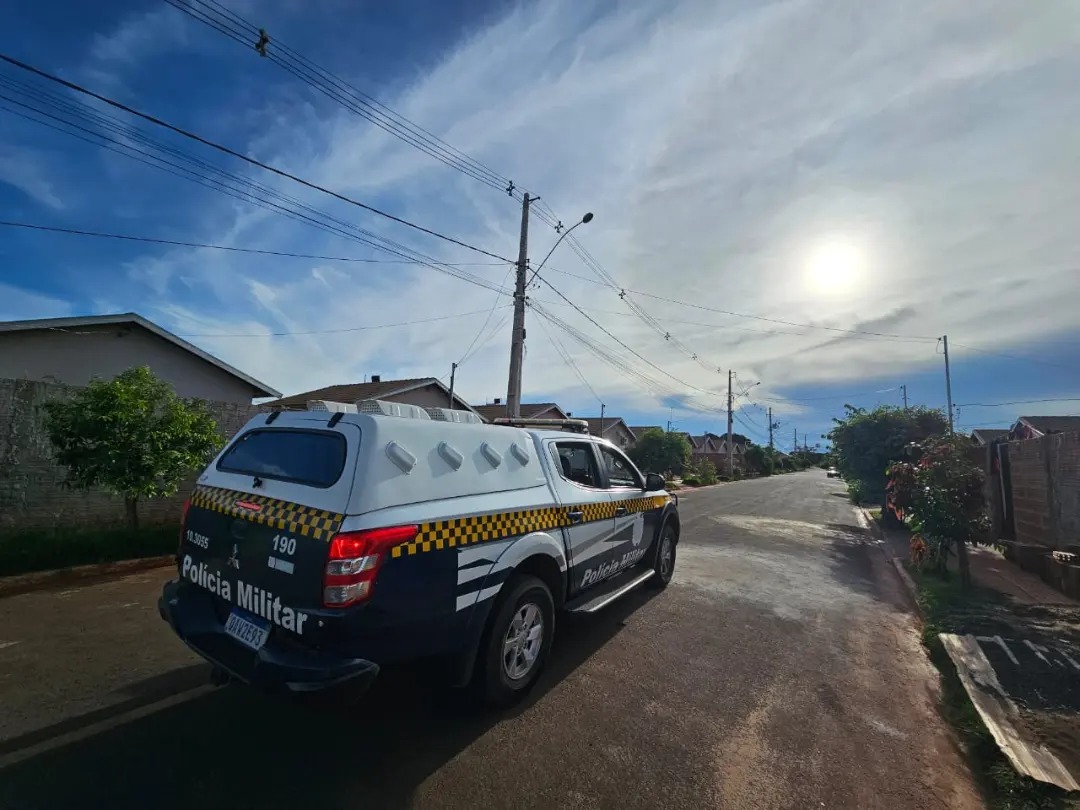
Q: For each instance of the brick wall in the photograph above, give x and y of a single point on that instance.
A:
(1046, 489)
(31, 491)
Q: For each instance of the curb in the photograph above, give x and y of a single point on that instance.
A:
(895, 564)
(82, 574)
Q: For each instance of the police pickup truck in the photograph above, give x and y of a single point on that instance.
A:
(323, 544)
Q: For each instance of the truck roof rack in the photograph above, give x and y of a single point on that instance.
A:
(568, 425)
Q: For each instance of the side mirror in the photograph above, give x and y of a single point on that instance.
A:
(654, 482)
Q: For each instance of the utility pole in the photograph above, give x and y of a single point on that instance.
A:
(453, 373)
(795, 447)
(517, 340)
(948, 381)
(602, 407)
(903, 389)
(770, 429)
(730, 448)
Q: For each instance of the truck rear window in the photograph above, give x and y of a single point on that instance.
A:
(312, 457)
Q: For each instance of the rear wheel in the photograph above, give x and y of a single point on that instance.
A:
(517, 642)
(664, 562)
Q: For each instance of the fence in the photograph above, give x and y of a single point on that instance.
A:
(1039, 482)
(32, 495)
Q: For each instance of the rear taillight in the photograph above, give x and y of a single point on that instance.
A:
(183, 523)
(354, 561)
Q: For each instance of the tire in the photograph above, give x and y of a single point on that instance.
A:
(664, 560)
(512, 661)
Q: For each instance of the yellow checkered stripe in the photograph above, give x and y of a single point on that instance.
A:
(463, 531)
(282, 515)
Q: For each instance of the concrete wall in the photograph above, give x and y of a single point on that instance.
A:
(1046, 489)
(31, 490)
(75, 358)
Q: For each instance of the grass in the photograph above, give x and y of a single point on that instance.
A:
(1005, 789)
(23, 552)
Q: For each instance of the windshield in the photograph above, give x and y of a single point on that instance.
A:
(312, 457)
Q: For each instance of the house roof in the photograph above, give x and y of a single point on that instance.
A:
(987, 435)
(120, 319)
(638, 430)
(354, 392)
(529, 410)
(702, 442)
(1052, 424)
(609, 423)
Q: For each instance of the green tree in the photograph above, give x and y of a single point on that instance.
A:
(131, 436)
(660, 452)
(762, 460)
(943, 495)
(865, 443)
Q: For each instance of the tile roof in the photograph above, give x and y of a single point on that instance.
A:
(529, 410)
(594, 423)
(354, 392)
(1053, 424)
(987, 435)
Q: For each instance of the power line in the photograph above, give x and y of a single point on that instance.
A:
(1015, 402)
(211, 176)
(623, 344)
(1011, 356)
(568, 360)
(236, 27)
(233, 153)
(914, 338)
(831, 397)
(179, 243)
(327, 331)
(487, 320)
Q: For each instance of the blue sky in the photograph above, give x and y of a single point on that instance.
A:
(904, 171)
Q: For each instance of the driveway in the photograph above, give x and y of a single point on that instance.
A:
(780, 669)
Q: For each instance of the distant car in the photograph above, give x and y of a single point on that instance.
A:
(832, 472)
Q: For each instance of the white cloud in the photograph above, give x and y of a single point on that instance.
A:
(24, 169)
(718, 145)
(17, 304)
(140, 35)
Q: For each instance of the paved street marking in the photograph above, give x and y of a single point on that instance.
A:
(6, 644)
(1000, 641)
(996, 709)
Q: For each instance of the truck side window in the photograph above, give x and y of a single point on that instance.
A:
(576, 462)
(621, 472)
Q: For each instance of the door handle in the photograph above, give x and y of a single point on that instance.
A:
(575, 517)
(621, 511)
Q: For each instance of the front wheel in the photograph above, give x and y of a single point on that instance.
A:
(517, 642)
(664, 562)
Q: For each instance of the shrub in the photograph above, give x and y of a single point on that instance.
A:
(855, 491)
(691, 481)
(22, 552)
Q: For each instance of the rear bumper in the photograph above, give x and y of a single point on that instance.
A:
(277, 666)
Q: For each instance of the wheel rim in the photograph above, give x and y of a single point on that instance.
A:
(524, 637)
(667, 556)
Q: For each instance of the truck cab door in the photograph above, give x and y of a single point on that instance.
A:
(635, 525)
(581, 489)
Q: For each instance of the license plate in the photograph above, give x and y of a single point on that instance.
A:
(248, 630)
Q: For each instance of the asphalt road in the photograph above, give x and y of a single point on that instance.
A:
(780, 669)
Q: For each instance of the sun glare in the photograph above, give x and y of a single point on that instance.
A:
(834, 267)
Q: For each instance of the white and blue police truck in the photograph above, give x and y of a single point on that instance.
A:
(321, 545)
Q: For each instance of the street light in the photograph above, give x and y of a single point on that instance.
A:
(584, 221)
